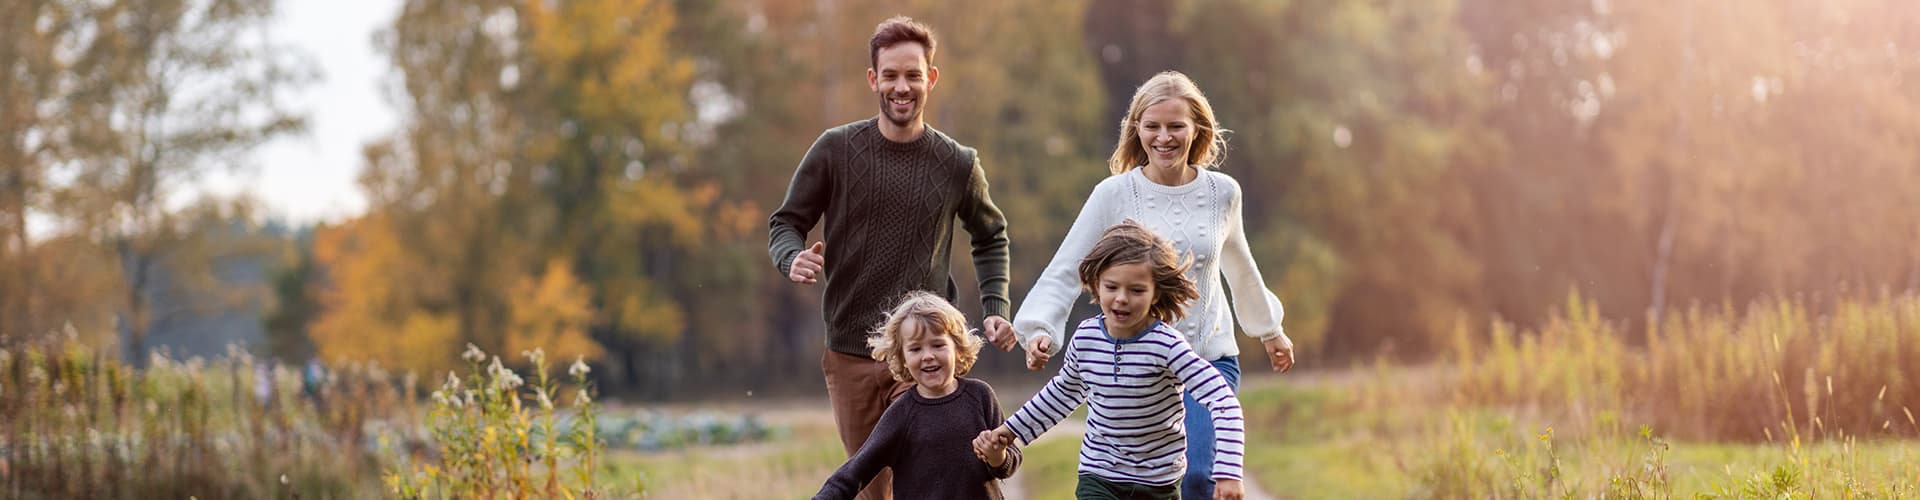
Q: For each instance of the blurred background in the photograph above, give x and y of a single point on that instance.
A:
(389, 180)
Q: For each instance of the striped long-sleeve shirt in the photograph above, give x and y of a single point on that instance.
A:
(1135, 429)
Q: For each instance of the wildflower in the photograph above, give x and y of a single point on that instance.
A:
(581, 398)
(453, 381)
(440, 398)
(545, 402)
(536, 355)
(579, 368)
(473, 354)
(510, 381)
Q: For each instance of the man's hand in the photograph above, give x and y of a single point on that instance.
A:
(1279, 352)
(809, 264)
(1228, 489)
(991, 445)
(1000, 333)
(1039, 350)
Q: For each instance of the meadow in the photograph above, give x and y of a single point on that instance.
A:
(1793, 398)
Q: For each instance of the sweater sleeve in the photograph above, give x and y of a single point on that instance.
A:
(1055, 401)
(878, 452)
(988, 227)
(807, 197)
(1257, 308)
(1206, 385)
(1044, 312)
(1012, 464)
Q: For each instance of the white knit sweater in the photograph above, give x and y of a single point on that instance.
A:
(1201, 218)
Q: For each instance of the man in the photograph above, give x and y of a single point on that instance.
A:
(891, 188)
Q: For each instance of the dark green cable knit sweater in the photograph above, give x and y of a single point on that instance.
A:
(890, 209)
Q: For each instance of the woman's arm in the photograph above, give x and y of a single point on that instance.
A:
(1044, 312)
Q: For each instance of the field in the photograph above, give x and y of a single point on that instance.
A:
(1772, 401)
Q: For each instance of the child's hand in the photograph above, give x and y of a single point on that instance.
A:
(1228, 489)
(1039, 350)
(991, 445)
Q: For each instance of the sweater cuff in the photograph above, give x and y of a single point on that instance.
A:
(991, 306)
(1269, 335)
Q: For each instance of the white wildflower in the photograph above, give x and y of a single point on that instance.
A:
(453, 381)
(545, 402)
(473, 354)
(509, 380)
(579, 368)
(535, 356)
(581, 398)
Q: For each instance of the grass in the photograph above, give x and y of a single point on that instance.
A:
(76, 422)
(793, 467)
(1782, 399)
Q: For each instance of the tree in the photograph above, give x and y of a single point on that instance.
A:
(166, 91)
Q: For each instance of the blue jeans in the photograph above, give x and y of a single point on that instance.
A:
(1198, 483)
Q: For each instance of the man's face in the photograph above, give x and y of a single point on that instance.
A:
(902, 78)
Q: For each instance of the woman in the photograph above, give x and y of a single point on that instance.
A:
(1163, 178)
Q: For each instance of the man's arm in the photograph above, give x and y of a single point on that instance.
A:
(807, 198)
(988, 227)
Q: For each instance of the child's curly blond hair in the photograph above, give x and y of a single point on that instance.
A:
(933, 314)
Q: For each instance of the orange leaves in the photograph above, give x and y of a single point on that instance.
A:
(551, 312)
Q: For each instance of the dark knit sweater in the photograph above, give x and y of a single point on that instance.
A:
(890, 209)
(929, 445)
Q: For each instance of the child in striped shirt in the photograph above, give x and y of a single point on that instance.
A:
(1130, 367)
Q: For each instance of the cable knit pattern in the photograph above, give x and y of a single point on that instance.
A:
(889, 211)
(1202, 219)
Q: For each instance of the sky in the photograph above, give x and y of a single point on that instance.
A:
(310, 177)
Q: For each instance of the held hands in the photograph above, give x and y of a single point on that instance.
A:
(1039, 350)
(1000, 333)
(1228, 489)
(991, 445)
(809, 264)
(1279, 352)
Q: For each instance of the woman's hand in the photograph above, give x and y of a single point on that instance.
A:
(1039, 350)
(1279, 351)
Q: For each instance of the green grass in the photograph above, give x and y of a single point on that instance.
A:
(1330, 443)
(793, 467)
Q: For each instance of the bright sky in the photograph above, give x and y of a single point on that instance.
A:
(311, 177)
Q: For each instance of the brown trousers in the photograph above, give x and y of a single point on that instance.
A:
(860, 389)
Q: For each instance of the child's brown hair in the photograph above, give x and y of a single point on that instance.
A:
(933, 314)
(1131, 243)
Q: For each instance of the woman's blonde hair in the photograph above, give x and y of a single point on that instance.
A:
(1131, 243)
(933, 314)
(1209, 140)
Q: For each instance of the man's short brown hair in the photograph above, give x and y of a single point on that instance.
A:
(896, 30)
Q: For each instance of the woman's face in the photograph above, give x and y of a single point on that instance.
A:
(1166, 133)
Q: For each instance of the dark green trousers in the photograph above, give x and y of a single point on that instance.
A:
(1093, 487)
